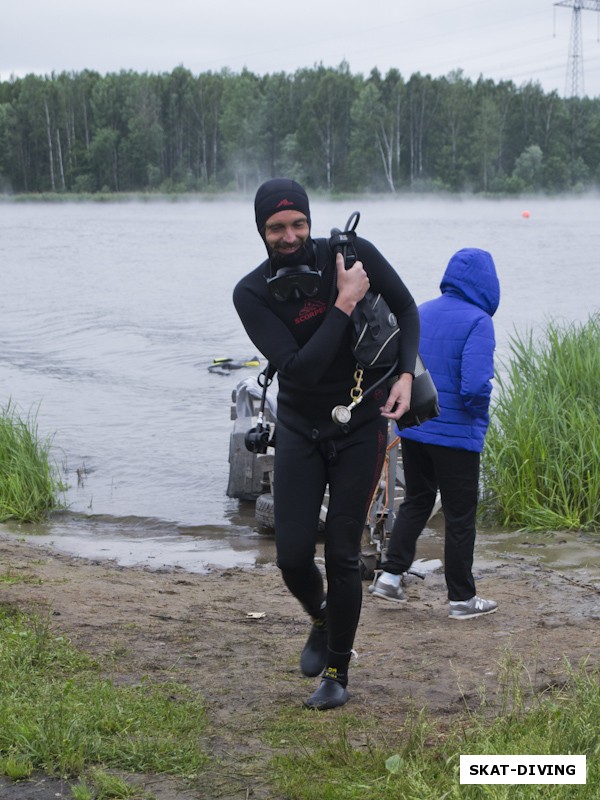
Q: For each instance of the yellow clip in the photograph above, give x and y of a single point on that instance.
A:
(356, 391)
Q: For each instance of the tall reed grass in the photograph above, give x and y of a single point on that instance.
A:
(541, 461)
(29, 484)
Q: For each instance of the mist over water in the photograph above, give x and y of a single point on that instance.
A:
(111, 314)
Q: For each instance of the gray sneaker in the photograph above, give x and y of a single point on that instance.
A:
(475, 607)
(385, 591)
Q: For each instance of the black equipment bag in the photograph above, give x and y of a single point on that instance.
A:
(376, 336)
(376, 333)
(424, 403)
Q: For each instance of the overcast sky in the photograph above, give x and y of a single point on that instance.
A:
(521, 40)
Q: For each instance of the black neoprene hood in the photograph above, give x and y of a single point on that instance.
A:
(279, 194)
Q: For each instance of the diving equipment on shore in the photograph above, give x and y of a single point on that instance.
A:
(341, 415)
(423, 403)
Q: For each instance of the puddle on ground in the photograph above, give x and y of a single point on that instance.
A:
(148, 543)
(563, 551)
(572, 552)
(158, 545)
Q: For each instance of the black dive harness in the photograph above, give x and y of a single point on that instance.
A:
(293, 281)
(343, 242)
(372, 327)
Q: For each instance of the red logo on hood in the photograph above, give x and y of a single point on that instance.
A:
(284, 202)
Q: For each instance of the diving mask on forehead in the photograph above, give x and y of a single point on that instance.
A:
(299, 280)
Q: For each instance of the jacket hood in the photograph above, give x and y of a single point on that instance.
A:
(471, 275)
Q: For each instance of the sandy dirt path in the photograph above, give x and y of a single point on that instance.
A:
(208, 631)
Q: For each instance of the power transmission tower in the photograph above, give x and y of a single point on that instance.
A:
(574, 82)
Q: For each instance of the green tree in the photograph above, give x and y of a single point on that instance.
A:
(104, 160)
(589, 139)
(111, 107)
(30, 127)
(178, 124)
(556, 174)
(243, 130)
(455, 131)
(7, 147)
(529, 167)
(365, 162)
(377, 132)
(487, 141)
(326, 127)
(278, 125)
(423, 99)
(206, 110)
(140, 149)
(324, 124)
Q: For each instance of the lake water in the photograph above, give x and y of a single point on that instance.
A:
(111, 314)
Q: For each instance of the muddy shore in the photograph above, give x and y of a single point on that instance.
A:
(176, 624)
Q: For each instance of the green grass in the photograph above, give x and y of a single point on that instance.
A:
(60, 716)
(9, 578)
(541, 461)
(29, 486)
(339, 758)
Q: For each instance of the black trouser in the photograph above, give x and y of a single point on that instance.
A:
(351, 466)
(455, 472)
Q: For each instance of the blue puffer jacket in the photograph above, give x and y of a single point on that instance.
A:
(457, 346)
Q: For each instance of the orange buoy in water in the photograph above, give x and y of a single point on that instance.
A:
(525, 214)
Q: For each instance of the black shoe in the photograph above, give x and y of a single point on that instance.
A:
(313, 658)
(330, 694)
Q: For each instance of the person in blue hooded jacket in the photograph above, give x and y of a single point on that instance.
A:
(457, 345)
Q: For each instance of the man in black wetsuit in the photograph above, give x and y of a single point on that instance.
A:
(292, 312)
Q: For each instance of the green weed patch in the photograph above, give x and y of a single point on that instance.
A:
(326, 758)
(60, 716)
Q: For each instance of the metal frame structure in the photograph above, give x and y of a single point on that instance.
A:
(574, 85)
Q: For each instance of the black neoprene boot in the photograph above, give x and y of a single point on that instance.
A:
(331, 693)
(314, 654)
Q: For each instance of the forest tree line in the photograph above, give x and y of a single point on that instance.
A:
(327, 128)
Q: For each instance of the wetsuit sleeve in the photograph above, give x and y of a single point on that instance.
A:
(306, 363)
(385, 279)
